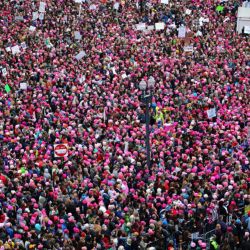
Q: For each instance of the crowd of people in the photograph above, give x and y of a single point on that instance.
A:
(102, 194)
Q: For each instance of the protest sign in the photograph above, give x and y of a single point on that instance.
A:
(164, 1)
(23, 45)
(182, 32)
(78, 36)
(42, 7)
(60, 150)
(41, 16)
(247, 29)
(15, 50)
(189, 48)
(8, 49)
(92, 7)
(34, 16)
(211, 113)
(23, 85)
(4, 71)
(7, 88)
(80, 55)
(188, 12)
(19, 18)
(140, 26)
(116, 6)
(150, 27)
(159, 26)
(32, 28)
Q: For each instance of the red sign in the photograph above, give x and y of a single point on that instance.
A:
(60, 150)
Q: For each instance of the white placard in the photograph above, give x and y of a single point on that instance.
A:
(116, 6)
(78, 36)
(150, 27)
(211, 113)
(247, 29)
(8, 49)
(15, 50)
(41, 16)
(140, 26)
(4, 71)
(23, 85)
(23, 45)
(42, 7)
(92, 7)
(124, 76)
(82, 79)
(164, 1)
(19, 18)
(79, 1)
(182, 32)
(34, 16)
(80, 55)
(189, 48)
(159, 26)
(32, 28)
(188, 12)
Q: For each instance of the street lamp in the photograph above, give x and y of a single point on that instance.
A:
(147, 93)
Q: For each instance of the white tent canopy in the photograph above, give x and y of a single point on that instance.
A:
(243, 18)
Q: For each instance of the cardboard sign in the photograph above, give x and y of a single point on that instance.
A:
(23, 85)
(15, 50)
(159, 26)
(78, 36)
(42, 7)
(182, 32)
(211, 113)
(140, 26)
(60, 150)
(80, 55)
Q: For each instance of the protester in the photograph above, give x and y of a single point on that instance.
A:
(82, 90)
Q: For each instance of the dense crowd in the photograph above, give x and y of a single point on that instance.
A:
(102, 195)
